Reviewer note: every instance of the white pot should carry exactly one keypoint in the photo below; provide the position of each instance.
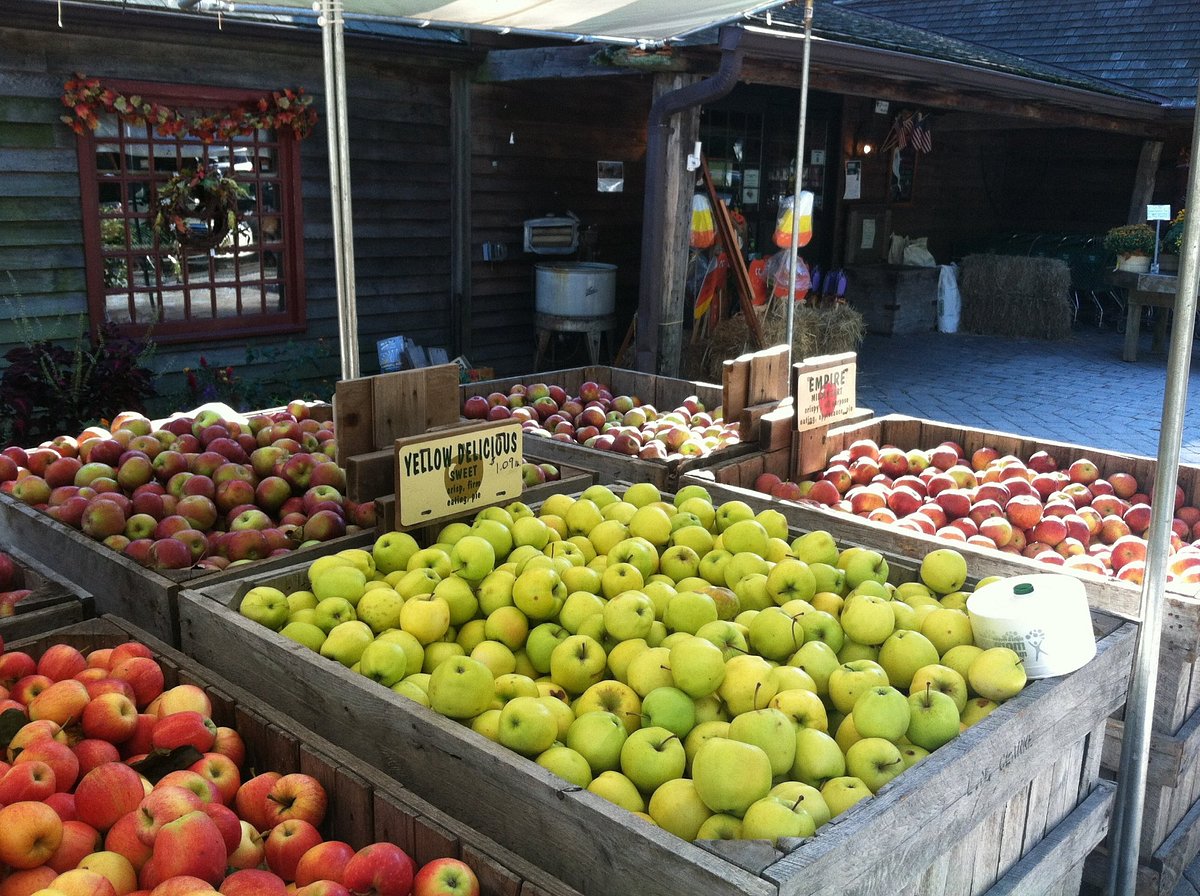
(1135, 264)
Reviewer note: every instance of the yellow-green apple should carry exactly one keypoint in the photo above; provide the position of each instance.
(818, 757)
(802, 706)
(106, 793)
(976, 709)
(629, 614)
(265, 605)
(803, 796)
(598, 737)
(774, 817)
(577, 663)
(903, 653)
(726, 636)
(942, 678)
(791, 579)
(426, 617)
(934, 720)
(651, 756)
(874, 761)
(383, 869)
(769, 730)
(473, 557)
(347, 641)
(747, 684)
(670, 708)
(730, 775)
(461, 688)
(851, 680)
(114, 867)
(997, 674)
(697, 666)
(527, 726)
(688, 611)
(881, 711)
(867, 618)
(676, 807)
(287, 843)
(612, 696)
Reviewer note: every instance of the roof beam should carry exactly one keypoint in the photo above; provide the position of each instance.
(578, 61)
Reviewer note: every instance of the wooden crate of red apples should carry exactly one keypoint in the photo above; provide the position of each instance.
(193, 491)
(1058, 510)
(120, 778)
(596, 418)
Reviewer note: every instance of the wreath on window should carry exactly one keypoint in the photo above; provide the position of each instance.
(198, 207)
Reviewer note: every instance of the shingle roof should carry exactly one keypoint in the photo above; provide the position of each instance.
(1148, 45)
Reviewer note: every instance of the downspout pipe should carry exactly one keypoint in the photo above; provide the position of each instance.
(651, 328)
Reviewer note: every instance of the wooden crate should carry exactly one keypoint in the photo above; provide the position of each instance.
(53, 603)
(365, 806)
(371, 412)
(894, 299)
(664, 393)
(117, 583)
(1016, 802)
(1171, 829)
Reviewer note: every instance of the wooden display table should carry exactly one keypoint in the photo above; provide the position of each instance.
(1156, 290)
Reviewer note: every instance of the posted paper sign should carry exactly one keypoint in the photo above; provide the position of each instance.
(826, 389)
(445, 474)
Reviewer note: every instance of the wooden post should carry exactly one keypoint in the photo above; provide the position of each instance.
(1143, 184)
(460, 212)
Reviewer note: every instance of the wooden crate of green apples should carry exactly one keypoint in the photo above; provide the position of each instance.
(656, 694)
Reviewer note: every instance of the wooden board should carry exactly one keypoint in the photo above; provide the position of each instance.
(370, 413)
(735, 385)
(49, 591)
(117, 584)
(365, 806)
(945, 799)
(770, 376)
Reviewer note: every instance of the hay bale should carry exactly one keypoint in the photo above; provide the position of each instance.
(817, 330)
(1016, 296)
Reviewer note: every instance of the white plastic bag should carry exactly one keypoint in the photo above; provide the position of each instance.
(949, 299)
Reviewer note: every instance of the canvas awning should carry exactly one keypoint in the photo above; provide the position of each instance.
(616, 21)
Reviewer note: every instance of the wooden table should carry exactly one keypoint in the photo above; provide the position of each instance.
(1156, 290)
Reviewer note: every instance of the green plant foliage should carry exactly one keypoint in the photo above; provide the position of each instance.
(1130, 239)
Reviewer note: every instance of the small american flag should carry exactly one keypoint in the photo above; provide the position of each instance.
(920, 136)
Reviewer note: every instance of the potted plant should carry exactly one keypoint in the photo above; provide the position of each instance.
(1132, 244)
(1171, 246)
(198, 207)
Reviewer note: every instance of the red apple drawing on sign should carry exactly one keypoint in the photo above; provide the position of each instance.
(827, 399)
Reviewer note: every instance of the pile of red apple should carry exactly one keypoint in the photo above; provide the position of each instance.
(84, 813)
(196, 491)
(12, 585)
(1064, 515)
(598, 419)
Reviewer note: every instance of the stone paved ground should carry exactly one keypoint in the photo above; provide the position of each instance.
(1077, 390)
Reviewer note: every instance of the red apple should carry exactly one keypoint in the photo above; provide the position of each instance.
(253, 882)
(383, 869)
(446, 877)
(287, 843)
(325, 861)
(106, 793)
(30, 833)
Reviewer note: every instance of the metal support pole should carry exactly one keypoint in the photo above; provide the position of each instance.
(337, 130)
(799, 185)
(1139, 708)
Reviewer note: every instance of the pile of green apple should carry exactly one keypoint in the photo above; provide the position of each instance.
(689, 662)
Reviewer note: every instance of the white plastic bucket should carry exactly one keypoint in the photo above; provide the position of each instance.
(1044, 617)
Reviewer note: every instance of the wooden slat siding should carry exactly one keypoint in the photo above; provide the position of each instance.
(493, 879)
(735, 386)
(751, 420)
(1177, 851)
(354, 417)
(1056, 863)
(749, 855)
(1012, 834)
(775, 428)
(986, 857)
(432, 841)
(371, 475)
(26, 625)
(1037, 812)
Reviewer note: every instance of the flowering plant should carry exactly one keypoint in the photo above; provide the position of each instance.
(210, 382)
(1130, 239)
(1173, 239)
(88, 98)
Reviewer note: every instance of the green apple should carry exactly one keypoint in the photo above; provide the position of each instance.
(658, 632)
(525, 554)
(393, 550)
(412, 691)
(347, 641)
(742, 564)
(960, 658)
(688, 611)
(676, 807)
(339, 581)
(701, 733)
(598, 737)
(846, 733)
(670, 708)
(787, 678)
(416, 582)
(652, 523)
(881, 711)
(697, 665)
(432, 558)
(774, 634)
(818, 659)
(638, 551)
(495, 591)
(566, 554)
(730, 774)
(440, 651)
(774, 522)
(629, 614)
(607, 535)
(778, 549)
(935, 718)
(914, 591)
(580, 578)
(652, 756)
(613, 697)
(305, 615)
(827, 577)
(772, 818)
(487, 723)
(709, 708)
(620, 577)
(720, 826)
(747, 685)
(842, 793)
(412, 647)
(731, 512)
(600, 495)
(803, 796)
(692, 491)
(461, 688)
(622, 655)
(527, 726)
(301, 600)
(818, 757)
(997, 674)
(751, 593)
(460, 596)
(380, 609)
(903, 653)
(977, 708)
(541, 642)
(727, 636)
(650, 669)
(452, 532)
(618, 790)
(851, 680)
(384, 662)
(803, 708)
(641, 494)
(497, 533)
(582, 516)
(530, 530)
(947, 628)
(266, 606)
(874, 761)
(577, 663)
(472, 557)
(425, 617)
(817, 546)
(679, 562)
(304, 633)
(912, 754)
(567, 764)
(712, 566)
(660, 593)
(944, 570)
(698, 538)
(539, 593)
(944, 679)
(821, 626)
(791, 579)
(496, 656)
(852, 650)
(867, 619)
(772, 732)
(862, 565)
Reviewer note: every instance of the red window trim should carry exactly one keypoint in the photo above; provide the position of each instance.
(291, 320)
